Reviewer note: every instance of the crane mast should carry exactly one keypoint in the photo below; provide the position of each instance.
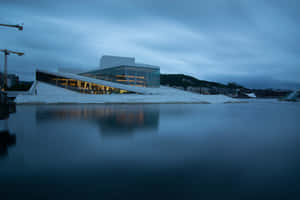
(6, 53)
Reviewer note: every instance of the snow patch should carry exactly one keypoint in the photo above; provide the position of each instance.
(252, 95)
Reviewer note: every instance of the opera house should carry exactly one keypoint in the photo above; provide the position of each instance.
(115, 75)
(123, 78)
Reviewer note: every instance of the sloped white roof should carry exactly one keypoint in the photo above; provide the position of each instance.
(141, 90)
(47, 93)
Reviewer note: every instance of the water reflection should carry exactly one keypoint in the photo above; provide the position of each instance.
(3, 114)
(215, 151)
(113, 120)
(6, 109)
(6, 140)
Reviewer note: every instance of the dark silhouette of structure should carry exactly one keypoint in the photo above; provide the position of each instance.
(6, 140)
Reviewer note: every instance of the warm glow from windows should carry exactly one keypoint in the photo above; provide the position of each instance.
(130, 76)
(84, 86)
(137, 81)
(137, 85)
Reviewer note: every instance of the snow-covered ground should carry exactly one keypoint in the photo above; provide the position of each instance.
(252, 95)
(46, 93)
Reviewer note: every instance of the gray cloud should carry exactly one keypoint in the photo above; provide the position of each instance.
(217, 40)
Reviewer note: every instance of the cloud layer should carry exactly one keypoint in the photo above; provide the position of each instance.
(249, 41)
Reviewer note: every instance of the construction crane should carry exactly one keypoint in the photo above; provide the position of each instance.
(6, 53)
(20, 27)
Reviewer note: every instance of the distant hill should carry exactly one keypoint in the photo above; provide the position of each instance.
(181, 80)
(208, 87)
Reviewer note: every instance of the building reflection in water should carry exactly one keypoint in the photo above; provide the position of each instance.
(113, 120)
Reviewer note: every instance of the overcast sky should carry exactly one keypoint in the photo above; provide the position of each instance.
(252, 42)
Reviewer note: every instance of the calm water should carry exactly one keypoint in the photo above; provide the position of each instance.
(185, 151)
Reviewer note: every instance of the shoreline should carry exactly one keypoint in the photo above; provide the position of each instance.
(108, 103)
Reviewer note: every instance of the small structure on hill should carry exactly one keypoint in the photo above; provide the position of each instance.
(294, 96)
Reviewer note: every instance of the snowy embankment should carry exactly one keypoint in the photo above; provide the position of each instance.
(46, 93)
(251, 95)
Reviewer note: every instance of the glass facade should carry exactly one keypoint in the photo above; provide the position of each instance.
(77, 85)
(129, 75)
